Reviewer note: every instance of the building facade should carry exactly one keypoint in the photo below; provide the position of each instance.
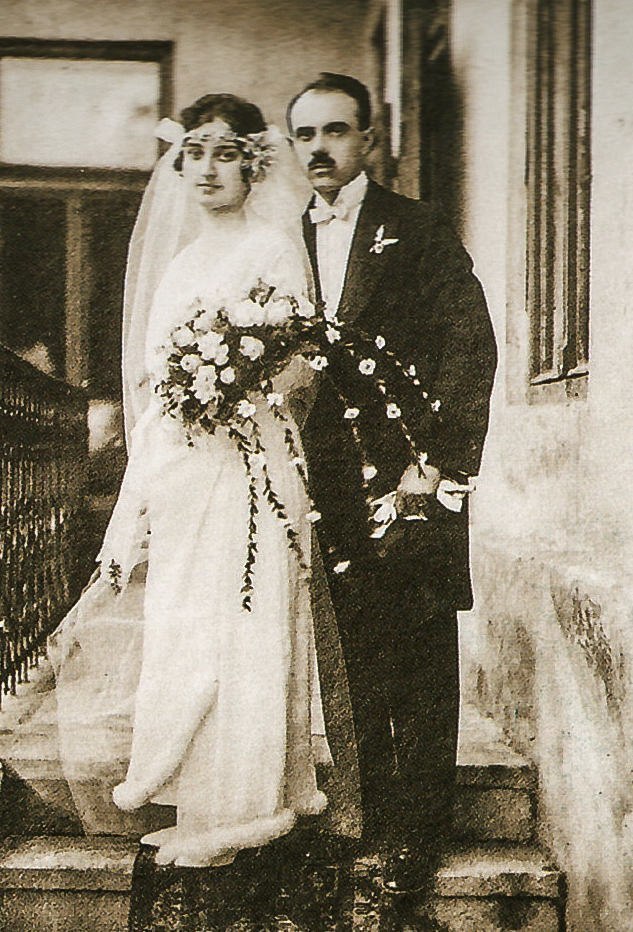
(516, 116)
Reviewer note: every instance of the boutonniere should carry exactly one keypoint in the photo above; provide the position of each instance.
(380, 241)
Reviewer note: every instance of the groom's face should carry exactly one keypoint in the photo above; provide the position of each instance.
(329, 145)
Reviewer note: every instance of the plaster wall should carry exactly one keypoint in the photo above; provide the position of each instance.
(549, 648)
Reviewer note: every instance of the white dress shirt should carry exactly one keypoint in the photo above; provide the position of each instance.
(334, 237)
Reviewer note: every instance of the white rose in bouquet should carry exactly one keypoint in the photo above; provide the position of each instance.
(247, 314)
(278, 311)
(206, 320)
(190, 363)
(183, 336)
(212, 347)
(306, 309)
(204, 384)
(227, 375)
(251, 347)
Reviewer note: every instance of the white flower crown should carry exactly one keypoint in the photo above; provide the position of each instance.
(259, 148)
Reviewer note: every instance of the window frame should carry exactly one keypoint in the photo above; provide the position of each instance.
(159, 52)
(558, 182)
(71, 184)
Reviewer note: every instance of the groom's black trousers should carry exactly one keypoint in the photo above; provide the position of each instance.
(400, 645)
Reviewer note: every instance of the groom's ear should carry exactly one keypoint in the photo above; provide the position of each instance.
(369, 135)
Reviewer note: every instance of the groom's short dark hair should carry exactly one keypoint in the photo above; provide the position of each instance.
(344, 84)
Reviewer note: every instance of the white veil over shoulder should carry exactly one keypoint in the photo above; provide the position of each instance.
(169, 219)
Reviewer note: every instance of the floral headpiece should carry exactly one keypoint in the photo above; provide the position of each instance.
(259, 149)
(259, 152)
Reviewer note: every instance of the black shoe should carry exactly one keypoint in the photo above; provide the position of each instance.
(410, 870)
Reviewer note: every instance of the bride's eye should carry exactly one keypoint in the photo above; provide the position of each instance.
(227, 155)
(194, 152)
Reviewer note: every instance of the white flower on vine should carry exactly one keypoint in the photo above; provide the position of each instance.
(212, 346)
(342, 566)
(183, 336)
(274, 399)
(435, 406)
(385, 512)
(332, 334)
(245, 409)
(369, 472)
(319, 363)
(313, 516)
(227, 375)
(380, 342)
(251, 347)
(351, 414)
(393, 411)
(190, 362)
(367, 366)
(412, 371)
(204, 384)
(247, 313)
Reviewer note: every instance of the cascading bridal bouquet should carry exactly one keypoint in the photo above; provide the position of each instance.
(223, 360)
(217, 365)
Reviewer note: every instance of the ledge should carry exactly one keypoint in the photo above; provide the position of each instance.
(487, 871)
(60, 863)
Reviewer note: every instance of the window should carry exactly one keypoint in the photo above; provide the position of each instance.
(558, 189)
(76, 146)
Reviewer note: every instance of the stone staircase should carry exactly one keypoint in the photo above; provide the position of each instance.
(53, 879)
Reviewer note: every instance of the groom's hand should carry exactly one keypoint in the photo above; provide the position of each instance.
(417, 490)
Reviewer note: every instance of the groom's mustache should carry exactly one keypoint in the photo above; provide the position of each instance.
(321, 160)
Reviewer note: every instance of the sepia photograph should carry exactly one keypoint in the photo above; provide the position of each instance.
(316, 531)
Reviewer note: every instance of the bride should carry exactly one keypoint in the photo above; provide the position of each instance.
(164, 682)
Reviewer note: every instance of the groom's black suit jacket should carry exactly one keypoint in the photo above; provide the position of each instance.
(421, 295)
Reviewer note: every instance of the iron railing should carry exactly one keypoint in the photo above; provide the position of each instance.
(43, 456)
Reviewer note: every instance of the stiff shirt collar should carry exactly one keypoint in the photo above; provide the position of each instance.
(348, 198)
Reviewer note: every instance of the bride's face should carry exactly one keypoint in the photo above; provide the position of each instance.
(212, 167)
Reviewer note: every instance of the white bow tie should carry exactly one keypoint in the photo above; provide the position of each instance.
(323, 213)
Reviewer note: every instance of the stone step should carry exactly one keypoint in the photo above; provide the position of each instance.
(491, 803)
(494, 801)
(495, 798)
(62, 884)
(486, 888)
(50, 884)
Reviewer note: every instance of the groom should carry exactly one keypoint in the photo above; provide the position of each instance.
(396, 269)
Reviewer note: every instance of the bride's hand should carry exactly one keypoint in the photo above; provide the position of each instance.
(298, 374)
(298, 383)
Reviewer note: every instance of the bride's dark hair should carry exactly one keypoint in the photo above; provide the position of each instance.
(242, 116)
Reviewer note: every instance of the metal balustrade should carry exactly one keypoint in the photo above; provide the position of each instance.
(43, 459)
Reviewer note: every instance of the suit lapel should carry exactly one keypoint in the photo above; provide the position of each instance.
(309, 235)
(364, 268)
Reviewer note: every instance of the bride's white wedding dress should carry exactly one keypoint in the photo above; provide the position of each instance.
(225, 704)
